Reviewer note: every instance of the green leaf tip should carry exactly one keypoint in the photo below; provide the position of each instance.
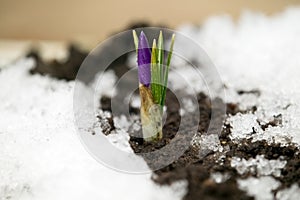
(136, 40)
(160, 48)
(160, 59)
(154, 72)
(166, 72)
(171, 50)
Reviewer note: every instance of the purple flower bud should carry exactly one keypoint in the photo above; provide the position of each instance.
(144, 60)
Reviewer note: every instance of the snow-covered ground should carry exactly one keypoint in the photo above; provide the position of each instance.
(258, 53)
(41, 156)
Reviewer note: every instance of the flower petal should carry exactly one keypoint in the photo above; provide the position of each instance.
(144, 60)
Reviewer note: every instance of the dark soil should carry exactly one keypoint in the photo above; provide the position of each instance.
(197, 170)
(191, 166)
(61, 70)
(255, 92)
(68, 70)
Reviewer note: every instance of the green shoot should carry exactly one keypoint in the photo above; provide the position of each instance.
(136, 40)
(166, 72)
(151, 69)
(154, 74)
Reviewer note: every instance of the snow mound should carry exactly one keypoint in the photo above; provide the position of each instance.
(258, 60)
(41, 156)
(260, 188)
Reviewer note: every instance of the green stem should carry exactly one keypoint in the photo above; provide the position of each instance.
(166, 73)
(160, 64)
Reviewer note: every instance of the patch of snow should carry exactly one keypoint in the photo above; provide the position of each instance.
(276, 135)
(247, 58)
(243, 126)
(107, 86)
(41, 156)
(260, 188)
(219, 177)
(291, 193)
(120, 140)
(207, 143)
(121, 122)
(181, 112)
(258, 165)
(187, 79)
(188, 105)
(135, 101)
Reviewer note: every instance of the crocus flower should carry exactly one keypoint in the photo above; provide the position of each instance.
(144, 60)
(153, 78)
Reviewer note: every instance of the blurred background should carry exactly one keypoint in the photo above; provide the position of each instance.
(93, 20)
(50, 26)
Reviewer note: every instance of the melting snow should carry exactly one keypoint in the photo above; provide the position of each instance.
(260, 188)
(258, 165)
(40, 152)
(291, 193)
(41, 156)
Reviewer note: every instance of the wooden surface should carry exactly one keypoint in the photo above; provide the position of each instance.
(92, 19)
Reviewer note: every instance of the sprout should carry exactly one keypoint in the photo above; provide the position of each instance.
(153, 79)
(144, 59)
